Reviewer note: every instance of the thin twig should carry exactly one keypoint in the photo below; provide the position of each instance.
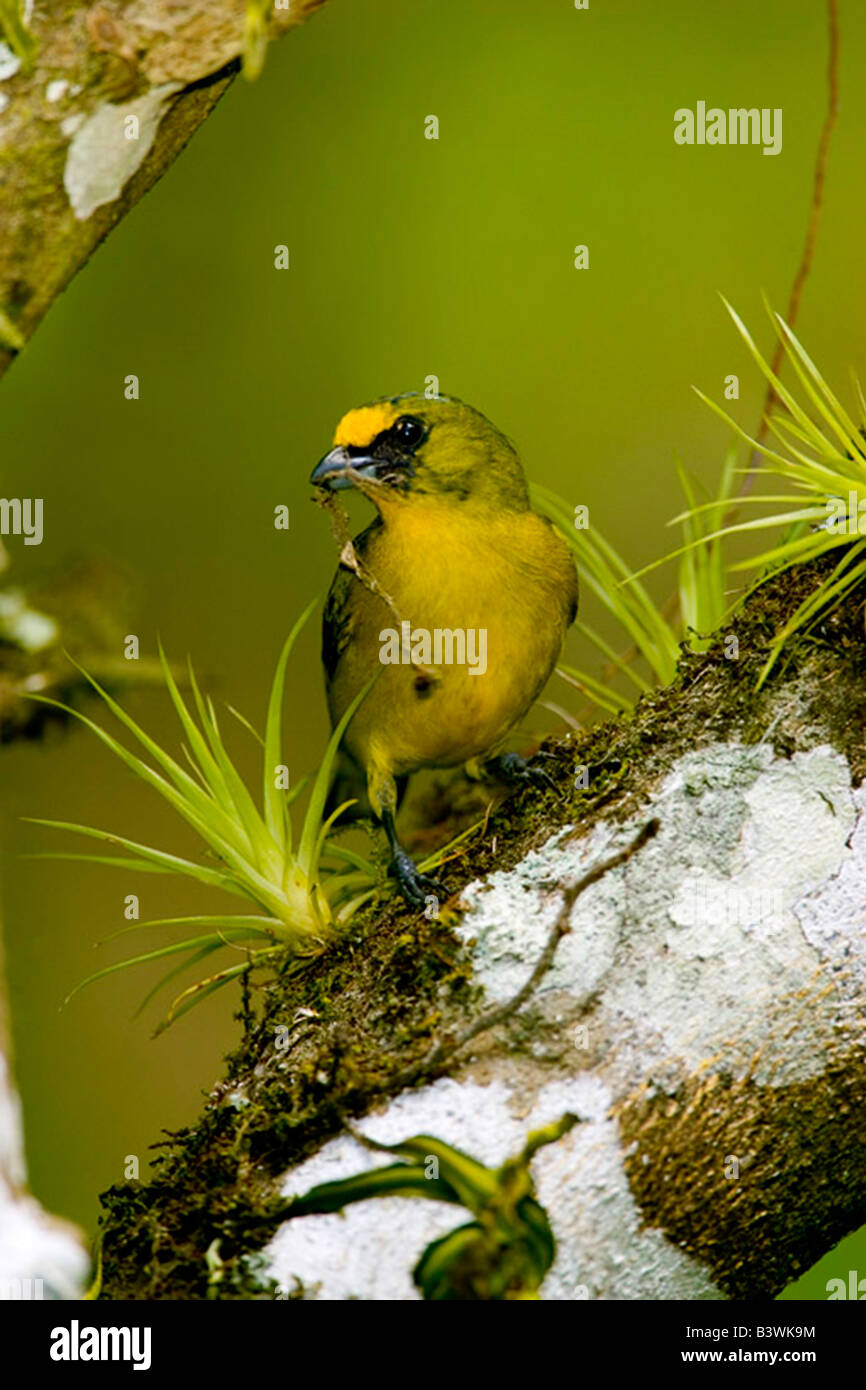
(351, 559)
(446, 1047)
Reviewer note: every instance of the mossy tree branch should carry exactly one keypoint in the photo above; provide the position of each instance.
(72, 164)
(702, 1016)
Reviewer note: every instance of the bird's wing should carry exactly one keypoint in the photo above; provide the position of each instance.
(339, 626)
(337, 621)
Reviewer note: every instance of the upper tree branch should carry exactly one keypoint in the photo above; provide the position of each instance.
(70, 168)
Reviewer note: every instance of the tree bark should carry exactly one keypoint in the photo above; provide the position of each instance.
(702, 1016)
(72, 162)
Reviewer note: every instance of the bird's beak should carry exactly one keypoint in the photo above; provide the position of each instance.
(330, 472)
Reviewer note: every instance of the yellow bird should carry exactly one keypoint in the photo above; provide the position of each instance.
(460, 601)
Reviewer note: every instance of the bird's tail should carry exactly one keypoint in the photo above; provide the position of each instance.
(349, 784)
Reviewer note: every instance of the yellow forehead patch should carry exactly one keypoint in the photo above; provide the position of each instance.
(360, 427)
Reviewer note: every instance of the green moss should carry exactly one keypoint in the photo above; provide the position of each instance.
(370, 1005)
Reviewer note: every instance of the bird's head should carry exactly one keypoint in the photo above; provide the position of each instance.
(410, 446)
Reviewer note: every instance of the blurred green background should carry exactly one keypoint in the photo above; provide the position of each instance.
(409, 257)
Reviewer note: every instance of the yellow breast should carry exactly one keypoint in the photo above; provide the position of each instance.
(499, 592)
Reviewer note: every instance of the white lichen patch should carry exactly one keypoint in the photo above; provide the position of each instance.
(833, 917)
(55, 91)
(709, 910)
(369, 1252)
(109, 146)
(604, 1249)
(512, 914)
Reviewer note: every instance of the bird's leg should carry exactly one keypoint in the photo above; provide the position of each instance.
(415, 886)
(520, 772)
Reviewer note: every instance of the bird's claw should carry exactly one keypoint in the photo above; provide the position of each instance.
(415, 886)
(521, 772)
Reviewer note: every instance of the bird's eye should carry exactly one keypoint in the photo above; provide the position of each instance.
(408, 431)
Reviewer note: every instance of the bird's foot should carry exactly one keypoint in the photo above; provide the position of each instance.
(523, 772)
(417, 888)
